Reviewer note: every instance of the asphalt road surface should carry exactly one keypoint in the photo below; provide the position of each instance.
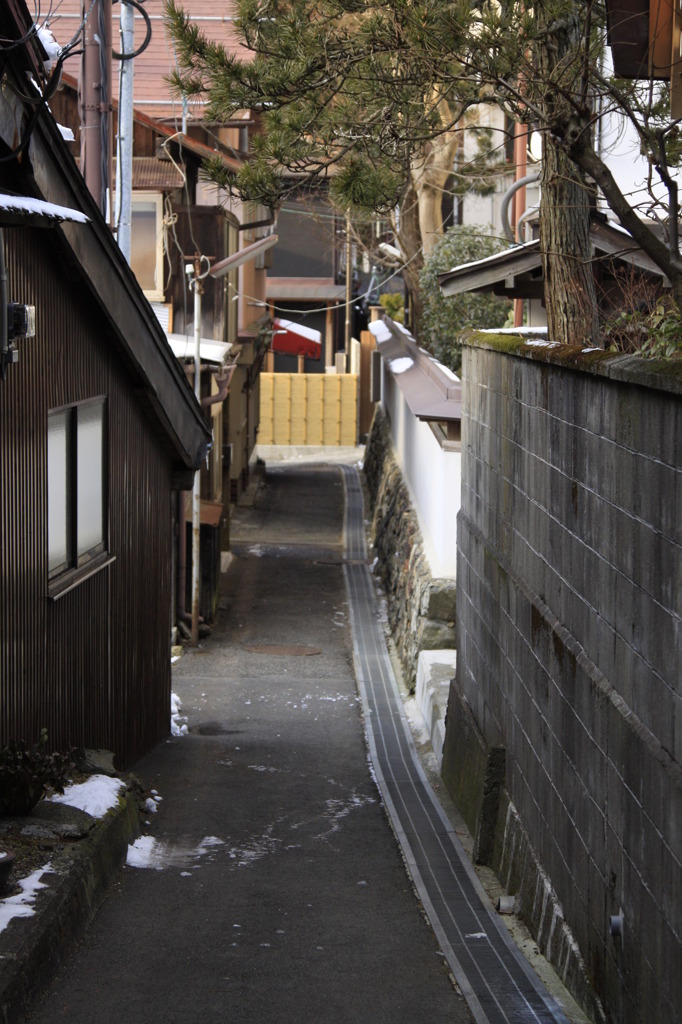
(275, 892)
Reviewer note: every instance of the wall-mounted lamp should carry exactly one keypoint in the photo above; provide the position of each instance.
(16, 321)
(21, 323)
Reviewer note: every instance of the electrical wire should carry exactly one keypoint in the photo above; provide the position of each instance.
(323, 309)
(147, 39)
(6, 46)
(40, 105)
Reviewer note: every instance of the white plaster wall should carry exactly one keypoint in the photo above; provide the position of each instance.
(432, 475)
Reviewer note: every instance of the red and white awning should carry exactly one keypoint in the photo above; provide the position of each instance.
(295, 339)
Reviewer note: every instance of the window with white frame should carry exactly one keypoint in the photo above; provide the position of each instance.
(76, 491)
(146, 242)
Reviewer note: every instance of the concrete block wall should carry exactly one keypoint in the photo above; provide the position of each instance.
(570, 643)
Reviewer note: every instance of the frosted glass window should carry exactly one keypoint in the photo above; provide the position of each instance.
(58, 490)
(89, 489)
(146, 243)
(76, 493)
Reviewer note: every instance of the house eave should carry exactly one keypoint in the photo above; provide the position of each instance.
(158, 378)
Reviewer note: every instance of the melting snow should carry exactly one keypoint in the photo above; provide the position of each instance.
(21, 905)
(401, 365)
(96, 796)
(178, 721)
(50, 45)
(25, 204)
(148, 852)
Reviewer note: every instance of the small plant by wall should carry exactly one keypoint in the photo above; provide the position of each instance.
(26, 773)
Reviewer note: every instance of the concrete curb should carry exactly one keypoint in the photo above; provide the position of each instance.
(33, 948)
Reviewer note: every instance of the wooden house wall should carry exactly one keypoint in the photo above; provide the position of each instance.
(205, 227)
(93, 666)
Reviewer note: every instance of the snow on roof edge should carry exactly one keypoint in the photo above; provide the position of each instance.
(28, 205)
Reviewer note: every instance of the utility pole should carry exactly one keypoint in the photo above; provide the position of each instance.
(124, 155)
(197, 284)
(95, 102)
(349, 293)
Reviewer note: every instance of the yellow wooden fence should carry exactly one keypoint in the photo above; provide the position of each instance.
(308, 408)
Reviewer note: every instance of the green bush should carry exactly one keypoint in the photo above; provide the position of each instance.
(27, 772)
(394, 305)
(443, 318)
(654, 332)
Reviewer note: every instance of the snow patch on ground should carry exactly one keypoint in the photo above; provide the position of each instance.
(178, 721)
(255, 849)
(96, 796)
(154, 854)
(416, 721)
(21, 905)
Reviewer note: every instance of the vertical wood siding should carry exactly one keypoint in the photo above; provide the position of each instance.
(93, 666)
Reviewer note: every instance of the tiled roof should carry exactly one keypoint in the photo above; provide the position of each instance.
(152, 95)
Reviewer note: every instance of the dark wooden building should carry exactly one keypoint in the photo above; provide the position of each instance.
(99, 429)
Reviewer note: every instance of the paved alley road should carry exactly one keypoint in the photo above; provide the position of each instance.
(276, 892)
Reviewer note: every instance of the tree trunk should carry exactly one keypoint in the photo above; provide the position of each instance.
(430, 171)
(570, 294)
(409, 239)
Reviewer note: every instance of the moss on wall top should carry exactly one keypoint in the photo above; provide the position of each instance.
(663, 374)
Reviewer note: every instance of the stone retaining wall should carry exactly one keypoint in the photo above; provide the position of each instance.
(421, 609)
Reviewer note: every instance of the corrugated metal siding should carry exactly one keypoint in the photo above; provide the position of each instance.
(93, 666)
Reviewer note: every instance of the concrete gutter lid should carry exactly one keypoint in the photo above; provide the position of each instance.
(431, 390)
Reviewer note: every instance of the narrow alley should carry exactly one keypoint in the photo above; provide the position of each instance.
(275, 889)
(270, 884)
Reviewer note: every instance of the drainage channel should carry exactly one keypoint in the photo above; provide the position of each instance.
(497, 982)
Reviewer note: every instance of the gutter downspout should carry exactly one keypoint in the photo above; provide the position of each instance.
(222, 379)
(4, 344)
(182, 556)
(506, 199)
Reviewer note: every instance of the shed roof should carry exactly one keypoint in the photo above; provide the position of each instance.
(153, 174)
(305, 289)
(515, 265)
